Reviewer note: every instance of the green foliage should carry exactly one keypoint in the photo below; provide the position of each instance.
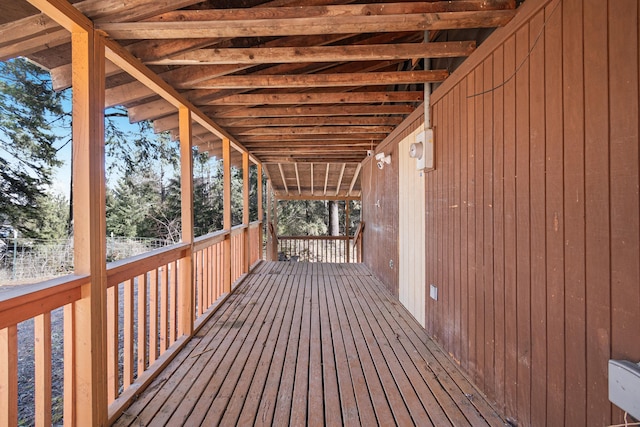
(53, 221)
(302, 218)
(29, 108)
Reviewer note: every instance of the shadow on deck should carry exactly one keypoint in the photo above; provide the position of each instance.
(311, 344)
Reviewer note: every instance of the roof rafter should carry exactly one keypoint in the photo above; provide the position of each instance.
(321, 53)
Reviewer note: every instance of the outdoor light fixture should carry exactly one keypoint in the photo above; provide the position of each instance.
(382, 160)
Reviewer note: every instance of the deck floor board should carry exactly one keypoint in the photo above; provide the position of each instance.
(311, 344)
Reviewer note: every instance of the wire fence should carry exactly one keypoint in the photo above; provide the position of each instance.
(27, 260)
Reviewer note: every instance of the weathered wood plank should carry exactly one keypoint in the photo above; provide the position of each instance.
(284, 55)
(320, 343)
(383, 78)
(306, 26)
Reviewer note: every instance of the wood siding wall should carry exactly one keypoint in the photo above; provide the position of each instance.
(380, 207)
(533, 211)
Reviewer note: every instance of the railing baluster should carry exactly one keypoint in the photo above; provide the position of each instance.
(142, 323)
(164, 306)
(205, 279)
(127, 377)
(153, 316)
(42, 327)
(197, 259)
(112, 343)
(69, 363)
(173, 312)
(9, 376)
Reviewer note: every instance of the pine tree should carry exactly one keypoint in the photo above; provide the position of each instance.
(29, 110)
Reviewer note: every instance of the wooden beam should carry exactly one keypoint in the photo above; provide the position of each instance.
(355, 178)
(319, 98)
(312, 130)
(333, 111)
(185, 265)
(136, 91)
(312, 158)
(63, 13)
(326, 179)
(245, 211)
(322, 10)
(260, 208)
(89, 326)
(344, 165)
(284, 180)
(316, 137)
(318, 197)
(284, 55)
(123, 59)
(311, 178)
(295, 165)
(52, 28)
(171, 122)
(226, 214)
(306, 26)
(321, 80)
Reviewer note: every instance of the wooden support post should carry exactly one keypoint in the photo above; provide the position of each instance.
(269, 223)
(346, 230)
(260, 210)
(89, 370)
(245, 210)
(226, 217)
(185, 265)
(9, 376)
(275, 227)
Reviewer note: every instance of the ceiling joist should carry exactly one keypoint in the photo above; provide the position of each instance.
(321, 54)
(306, 26)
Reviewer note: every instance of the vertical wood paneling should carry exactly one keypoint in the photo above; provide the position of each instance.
(510, 303)
(537, 215)
(456, 207)
(498, 225)
(437, 330)
(448, 216)
(487, 259)
(555, 221)
(533, 211)
(597, 251)
(464, 230)
(523, 236)
(479, 226)
(471, 223)
(572, 65)
(623, 134)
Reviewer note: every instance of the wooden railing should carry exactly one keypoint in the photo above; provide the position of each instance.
(317, 249)
(145, 311)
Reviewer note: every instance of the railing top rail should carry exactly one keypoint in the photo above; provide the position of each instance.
(27, 301)
(210, 239)
(119, 271)
(255, 224)
(313, 237)
(238, 228)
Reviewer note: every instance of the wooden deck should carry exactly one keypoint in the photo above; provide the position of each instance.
(311, 344)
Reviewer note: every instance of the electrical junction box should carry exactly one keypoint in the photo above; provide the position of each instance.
(624, 386)
(422, 150)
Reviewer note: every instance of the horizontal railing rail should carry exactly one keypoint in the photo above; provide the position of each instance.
(144, 305)
(316, 249)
